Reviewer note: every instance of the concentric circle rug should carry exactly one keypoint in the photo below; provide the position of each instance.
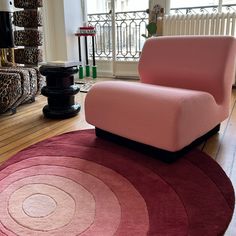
(77, 184)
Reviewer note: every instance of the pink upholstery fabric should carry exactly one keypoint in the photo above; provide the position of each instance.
(194, 62)
(185, 92)
(163, 117)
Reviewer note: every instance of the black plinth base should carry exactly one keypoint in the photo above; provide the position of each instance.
(60, 90)
(65, 113)
(163, 155)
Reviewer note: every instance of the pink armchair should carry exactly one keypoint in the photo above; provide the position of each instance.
(183, 96)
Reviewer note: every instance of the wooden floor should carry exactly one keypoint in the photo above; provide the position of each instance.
(28, 126)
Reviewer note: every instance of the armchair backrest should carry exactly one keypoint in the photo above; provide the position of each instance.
(205, 63)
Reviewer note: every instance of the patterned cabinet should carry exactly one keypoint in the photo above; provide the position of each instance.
(19, 85)
(30, 38)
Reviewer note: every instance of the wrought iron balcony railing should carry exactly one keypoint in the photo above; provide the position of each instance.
(129, 28)
(203, 9)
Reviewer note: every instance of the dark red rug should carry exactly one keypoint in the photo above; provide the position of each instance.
(77, 184)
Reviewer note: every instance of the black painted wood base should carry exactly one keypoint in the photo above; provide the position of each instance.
(60, 90)
(65, 113)
(165, 156)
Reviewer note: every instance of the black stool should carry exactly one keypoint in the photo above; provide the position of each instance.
(60, 90)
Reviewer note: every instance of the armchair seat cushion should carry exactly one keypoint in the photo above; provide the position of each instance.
(159, 116)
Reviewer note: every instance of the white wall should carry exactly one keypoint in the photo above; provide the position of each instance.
(61, 20)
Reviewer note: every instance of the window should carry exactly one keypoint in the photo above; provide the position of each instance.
(195, 3)
(229, 2)
(202, 6)
(229, 5)
(122, 5)
(108, 6)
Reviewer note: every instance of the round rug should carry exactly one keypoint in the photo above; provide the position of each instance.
(78, 184)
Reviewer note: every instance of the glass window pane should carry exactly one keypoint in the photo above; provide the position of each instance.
(194, 7)
(229, 2)
(193, 3)
(104, 6)
(98, 6)
(229, 6)
(131, 5)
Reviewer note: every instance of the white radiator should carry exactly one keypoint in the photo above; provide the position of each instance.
(200, 24)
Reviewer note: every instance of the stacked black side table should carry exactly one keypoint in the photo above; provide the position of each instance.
(60, 91)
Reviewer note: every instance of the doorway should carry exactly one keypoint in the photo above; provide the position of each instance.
(119, 25)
